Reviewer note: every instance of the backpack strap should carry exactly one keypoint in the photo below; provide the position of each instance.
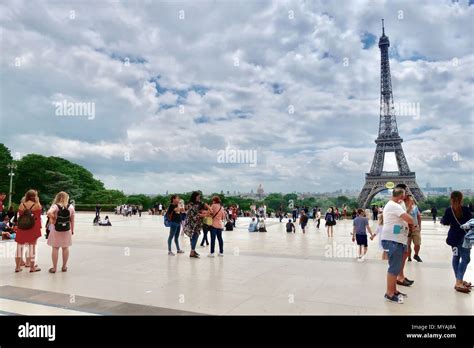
(24, 205)
(217, 212)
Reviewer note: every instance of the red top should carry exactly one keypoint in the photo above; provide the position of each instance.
(29, 236)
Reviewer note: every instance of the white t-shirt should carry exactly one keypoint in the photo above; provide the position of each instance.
(394, 228)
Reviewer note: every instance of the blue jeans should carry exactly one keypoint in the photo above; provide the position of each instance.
(174, 232)
(217, 232)
(205, 229)
(194, 240)
(461, 258)
(395, 253)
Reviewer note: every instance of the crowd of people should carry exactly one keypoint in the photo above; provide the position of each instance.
(193, 217)
(124, 209)
(399, 226)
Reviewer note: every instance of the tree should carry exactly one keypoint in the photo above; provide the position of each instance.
(140, 199)
(115, 197)
(49, 175)
(275, 201)
(5, 159)
(60, 182)
(341, 200)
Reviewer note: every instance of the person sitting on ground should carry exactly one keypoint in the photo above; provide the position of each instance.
(5, 224)
(290, 226)
(7, 235)
(261, 225)
(253, 225)
(7, 230)
(106, 222)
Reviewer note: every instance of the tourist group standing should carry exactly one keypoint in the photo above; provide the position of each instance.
(59, 226)
(198, 216)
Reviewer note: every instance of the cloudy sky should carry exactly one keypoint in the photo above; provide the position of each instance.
(175, 83)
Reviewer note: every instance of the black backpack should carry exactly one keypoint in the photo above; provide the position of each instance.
(63, 221)
(27, 220)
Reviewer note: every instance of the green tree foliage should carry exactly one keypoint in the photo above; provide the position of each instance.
(104, 196)
(5, 159)
(50, 175)
(141, 199)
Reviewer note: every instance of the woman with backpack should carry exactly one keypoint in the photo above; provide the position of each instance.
(28, 230)
(61, 229)
(330, 221)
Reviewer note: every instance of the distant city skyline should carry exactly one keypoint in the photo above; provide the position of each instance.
(177, 96)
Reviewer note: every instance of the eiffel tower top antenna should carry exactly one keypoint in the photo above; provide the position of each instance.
(383, 29)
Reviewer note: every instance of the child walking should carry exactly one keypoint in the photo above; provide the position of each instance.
(359, 233)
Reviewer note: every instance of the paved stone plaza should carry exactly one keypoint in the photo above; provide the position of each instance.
(125, 269)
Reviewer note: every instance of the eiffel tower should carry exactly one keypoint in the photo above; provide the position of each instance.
(388, 141)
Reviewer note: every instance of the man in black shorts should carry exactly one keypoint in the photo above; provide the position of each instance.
(359, 233)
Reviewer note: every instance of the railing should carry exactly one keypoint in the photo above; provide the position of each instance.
(390, 174)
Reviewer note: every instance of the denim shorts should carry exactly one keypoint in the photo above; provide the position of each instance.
(395, 253)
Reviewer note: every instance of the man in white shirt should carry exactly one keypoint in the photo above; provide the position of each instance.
(394, 241)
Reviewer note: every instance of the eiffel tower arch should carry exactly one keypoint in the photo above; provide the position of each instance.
(388, 140)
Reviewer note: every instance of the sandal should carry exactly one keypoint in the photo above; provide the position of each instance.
(405, 282)
(462, 289)
(398, 293)
(36, 269)
(18, 270)
(52, 270)
(28, 266)
(64, 269)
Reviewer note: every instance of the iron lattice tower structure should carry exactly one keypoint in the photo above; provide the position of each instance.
(388, 140)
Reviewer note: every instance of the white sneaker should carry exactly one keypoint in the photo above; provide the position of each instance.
(359, 259)
(221, 255)
(211, 255)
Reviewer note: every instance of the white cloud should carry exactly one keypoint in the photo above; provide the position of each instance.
(183, 97)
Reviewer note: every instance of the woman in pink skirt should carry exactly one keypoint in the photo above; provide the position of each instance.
(61, 227)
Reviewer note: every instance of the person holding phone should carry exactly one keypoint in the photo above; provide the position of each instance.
(174, 215)
(193, 223)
